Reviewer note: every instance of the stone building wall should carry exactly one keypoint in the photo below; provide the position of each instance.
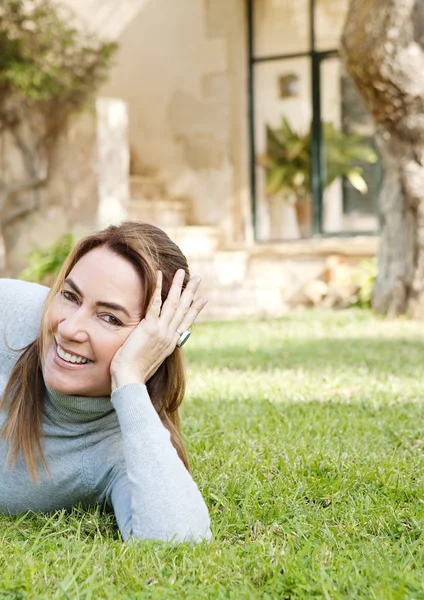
(86, 184)
(182, 69)
(68, 200)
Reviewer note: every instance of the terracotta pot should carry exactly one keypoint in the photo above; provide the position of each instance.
(304, 217)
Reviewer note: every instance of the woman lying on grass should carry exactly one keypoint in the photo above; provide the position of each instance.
(89, 409)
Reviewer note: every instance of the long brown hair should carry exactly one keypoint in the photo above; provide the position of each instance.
(148, 249)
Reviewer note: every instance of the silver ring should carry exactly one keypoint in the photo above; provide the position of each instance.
(184, 335)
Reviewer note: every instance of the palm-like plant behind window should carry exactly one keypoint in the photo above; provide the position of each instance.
(288, 160)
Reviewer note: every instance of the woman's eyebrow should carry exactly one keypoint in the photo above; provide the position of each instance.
(111, 305)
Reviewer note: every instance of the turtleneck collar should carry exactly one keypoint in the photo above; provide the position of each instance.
(63, 408)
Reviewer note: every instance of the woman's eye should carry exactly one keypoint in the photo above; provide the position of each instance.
(69, 296)
(112, 320)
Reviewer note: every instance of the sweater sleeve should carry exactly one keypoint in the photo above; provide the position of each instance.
(20, 315)
(158, 499)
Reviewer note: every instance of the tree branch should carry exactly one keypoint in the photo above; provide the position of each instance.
(20, 212)
(31, 184)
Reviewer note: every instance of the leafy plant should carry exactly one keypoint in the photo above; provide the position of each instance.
(44, 265)
(45, 58)
(364, 279)
(49, 68)
(288, 160)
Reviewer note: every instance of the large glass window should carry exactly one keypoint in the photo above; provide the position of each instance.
(286, 109)
(347, 127)
(306, 119)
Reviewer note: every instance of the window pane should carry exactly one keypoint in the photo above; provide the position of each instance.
(282, 89)
(280, 27)
(330, 16)
(345, 208)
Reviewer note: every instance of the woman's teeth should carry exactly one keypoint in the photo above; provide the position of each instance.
(71, 357)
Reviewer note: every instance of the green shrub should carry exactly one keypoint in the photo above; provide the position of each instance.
(45, 56)
(44, 265)
(288, 159)
(364, 279)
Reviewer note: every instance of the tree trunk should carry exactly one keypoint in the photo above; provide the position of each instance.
(26, 134)
(381, 47)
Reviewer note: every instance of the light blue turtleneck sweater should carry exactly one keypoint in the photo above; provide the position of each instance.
(112, 450)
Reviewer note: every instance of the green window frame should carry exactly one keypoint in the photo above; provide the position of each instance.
(317, 171)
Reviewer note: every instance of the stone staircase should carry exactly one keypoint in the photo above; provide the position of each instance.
(229, 276)
(150, 202)
(261, 280)
(225, 272)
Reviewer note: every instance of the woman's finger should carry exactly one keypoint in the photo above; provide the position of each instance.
(185, 302)
(155, 305)
(197, 306)
(172, 301)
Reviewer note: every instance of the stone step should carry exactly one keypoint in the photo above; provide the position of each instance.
(221, 267)
(198, 242)
(162, 212)
(228, 302)
(143, 187)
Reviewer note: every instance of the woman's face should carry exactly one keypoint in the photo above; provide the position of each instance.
(90, 319)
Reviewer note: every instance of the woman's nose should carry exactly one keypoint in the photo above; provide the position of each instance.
(73, 327)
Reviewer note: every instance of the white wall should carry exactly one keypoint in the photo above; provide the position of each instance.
(187, 96)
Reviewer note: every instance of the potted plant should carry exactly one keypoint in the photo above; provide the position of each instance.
(288, 165)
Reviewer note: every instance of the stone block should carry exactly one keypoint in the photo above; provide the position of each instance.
(198, 243)
(113, 160)
(230, 267)
(146, 188)
(163, 213)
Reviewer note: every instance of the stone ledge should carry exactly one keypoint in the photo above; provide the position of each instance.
(345, 246)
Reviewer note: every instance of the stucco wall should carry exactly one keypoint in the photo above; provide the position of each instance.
(182, 70)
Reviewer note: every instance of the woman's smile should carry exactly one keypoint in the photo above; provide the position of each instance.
(71, 359)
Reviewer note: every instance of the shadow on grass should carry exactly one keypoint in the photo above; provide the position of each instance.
(385, 356)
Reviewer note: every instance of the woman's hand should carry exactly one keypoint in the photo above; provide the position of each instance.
(156, 337)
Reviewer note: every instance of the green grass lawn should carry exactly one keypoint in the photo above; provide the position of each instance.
(307, 440)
